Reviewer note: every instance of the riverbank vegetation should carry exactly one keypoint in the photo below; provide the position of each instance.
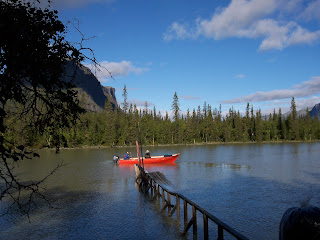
(120, 127)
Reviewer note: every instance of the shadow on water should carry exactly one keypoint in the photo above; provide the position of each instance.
(94, 199)
(87, 215)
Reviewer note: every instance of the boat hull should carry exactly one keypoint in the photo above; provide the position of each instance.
(156, 159)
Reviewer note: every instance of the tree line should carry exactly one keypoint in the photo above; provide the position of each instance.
(120, 126)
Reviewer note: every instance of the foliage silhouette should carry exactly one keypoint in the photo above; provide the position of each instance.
(34, 98)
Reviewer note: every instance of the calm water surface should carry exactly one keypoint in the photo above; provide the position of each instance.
(248, 186)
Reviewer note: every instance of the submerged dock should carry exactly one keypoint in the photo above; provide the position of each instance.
(158, 187)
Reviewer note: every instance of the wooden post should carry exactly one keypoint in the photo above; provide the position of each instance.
(185, 210)
(163, 198)
(158, 194)
(151, 186)
(205, 225)
(169, 202)
(178, 207)
(137, 170)
(194, 216)
(220, 232)
(187, 226)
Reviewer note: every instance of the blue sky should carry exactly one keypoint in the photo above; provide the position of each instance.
(219, 52)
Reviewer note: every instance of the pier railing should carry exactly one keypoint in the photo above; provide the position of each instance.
(163, 193)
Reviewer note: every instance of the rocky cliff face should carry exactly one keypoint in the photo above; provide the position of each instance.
(315, 111)
(92, 94)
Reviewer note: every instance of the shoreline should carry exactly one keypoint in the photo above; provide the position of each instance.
(184, 144)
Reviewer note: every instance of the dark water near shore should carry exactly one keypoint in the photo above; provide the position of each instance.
(248, 186)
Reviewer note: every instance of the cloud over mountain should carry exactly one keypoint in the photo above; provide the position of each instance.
(116, 69)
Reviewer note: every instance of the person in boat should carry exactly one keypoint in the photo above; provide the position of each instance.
(127, 156)
(147, 154)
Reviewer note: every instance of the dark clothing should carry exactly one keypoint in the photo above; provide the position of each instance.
(147, 155)
(126, 156)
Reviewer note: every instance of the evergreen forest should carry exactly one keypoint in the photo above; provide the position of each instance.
(121, 126)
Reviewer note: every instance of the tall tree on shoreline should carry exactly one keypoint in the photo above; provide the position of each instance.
(125, 99)
(176, 112)
(175, 107)
(292, 121)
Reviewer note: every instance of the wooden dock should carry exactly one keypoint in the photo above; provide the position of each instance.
(159, 188)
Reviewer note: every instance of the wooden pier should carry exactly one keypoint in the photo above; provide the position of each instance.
(155, 184)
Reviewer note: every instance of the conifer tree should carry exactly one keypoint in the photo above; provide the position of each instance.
(292, 121)
(258, 126)
(175, 107)
(125, 99)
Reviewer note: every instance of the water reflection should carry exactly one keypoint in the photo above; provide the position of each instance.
(227, 165)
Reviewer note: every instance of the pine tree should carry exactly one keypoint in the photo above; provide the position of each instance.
(188, 130)
(125, 99)
(292, 121)
(252, 125)
(259, 133)
(175, 107)
(176, 127)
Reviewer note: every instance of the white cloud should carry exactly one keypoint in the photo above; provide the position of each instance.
(239, 76)
(311, 12)
(117, 69)
(140, 103)
(301, 104)
(292, 6)
(305, 89)
(238, 16)
(308, 102)
(178, 31)
(190, 97)
(300, 36)
(247, 19)
(274, 35)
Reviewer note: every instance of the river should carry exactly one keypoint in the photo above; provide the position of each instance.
(248, 186)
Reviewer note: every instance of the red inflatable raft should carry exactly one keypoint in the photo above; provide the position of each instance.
(155, 159)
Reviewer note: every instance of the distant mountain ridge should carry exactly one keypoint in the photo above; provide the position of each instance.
(91, 93)
(315, 111)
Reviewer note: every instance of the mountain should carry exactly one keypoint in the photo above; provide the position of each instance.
(315, 111)
(302, 112)
(91, 93)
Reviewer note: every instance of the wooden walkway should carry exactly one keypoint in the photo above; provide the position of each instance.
(158, 186)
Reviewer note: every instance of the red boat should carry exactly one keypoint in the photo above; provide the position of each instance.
(155, 159)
